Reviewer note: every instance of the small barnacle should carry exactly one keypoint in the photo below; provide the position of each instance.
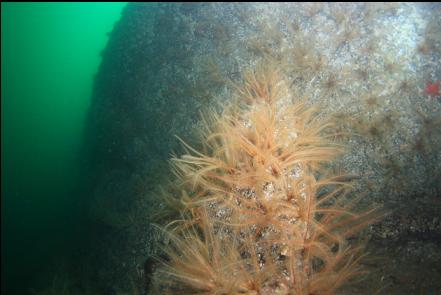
(374, 131)
(405, 86)
(423, 48)
(293, 135)
(285, 250)
(391, 66)
(247, 124)
(330, 82)
(331, 85)
(363, 74)
(345, 35)
(221, 213)
(268, 190)
(371, 101)
(247, 193)
(296, 172)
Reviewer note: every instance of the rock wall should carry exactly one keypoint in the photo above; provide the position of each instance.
(371, 66)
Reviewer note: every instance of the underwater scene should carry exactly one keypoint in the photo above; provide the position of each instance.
(221, 148)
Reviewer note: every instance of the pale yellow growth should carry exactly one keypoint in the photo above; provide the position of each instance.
(265, 215)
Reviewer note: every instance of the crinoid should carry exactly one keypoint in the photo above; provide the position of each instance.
(267, 215)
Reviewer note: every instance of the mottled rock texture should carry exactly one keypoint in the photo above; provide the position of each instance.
(367, 65)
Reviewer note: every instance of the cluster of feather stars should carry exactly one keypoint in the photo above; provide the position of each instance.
(261, 210)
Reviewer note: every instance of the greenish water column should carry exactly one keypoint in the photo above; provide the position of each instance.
(49, 55)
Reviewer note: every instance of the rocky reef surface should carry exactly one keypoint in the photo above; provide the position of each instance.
(374, 68)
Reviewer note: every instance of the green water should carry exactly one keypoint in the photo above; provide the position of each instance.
(49, 55)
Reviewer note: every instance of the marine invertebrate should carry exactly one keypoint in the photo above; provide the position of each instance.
(348, 31)
(373, 128)
(372, 101)
(391, 66)
(267, 216)
(303, 60)
(428, 133)
(432, 89)
(332, 83)
(423, 48)
(405, 87)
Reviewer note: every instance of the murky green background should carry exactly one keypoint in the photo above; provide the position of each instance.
(49, 55)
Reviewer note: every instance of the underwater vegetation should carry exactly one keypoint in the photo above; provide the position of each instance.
(261, 210)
